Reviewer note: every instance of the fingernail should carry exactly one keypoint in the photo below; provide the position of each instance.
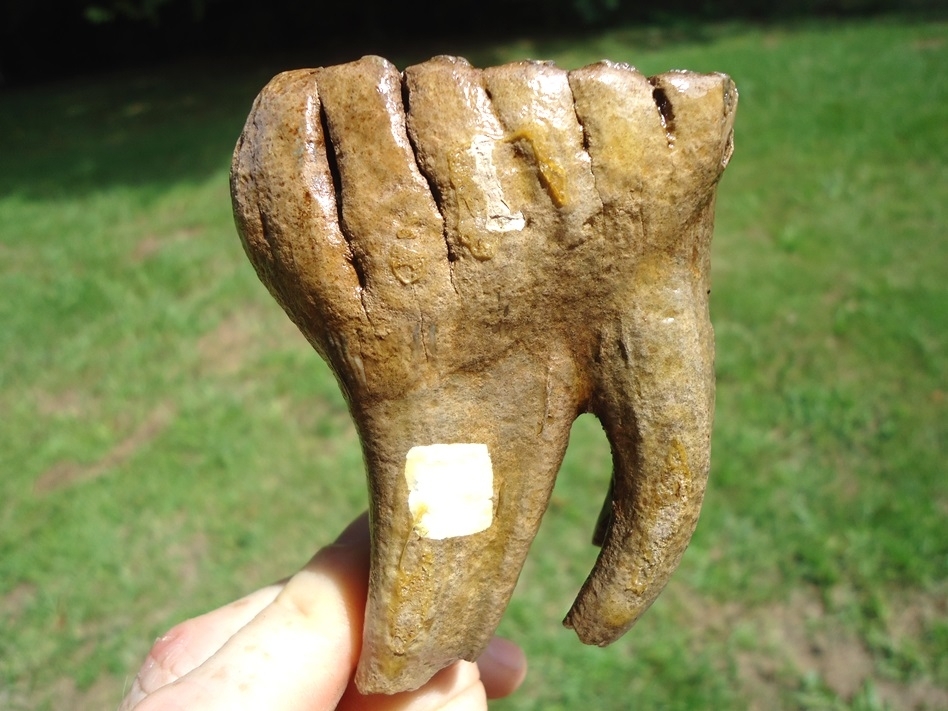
(135, 695)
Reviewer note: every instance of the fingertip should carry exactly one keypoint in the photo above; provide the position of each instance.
(356, 534)
(271, 639)
(454, 688)
(503, 667)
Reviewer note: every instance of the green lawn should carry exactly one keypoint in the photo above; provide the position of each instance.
(168, 441)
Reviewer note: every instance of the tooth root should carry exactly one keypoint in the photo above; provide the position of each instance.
(433, 601)
(655, 400)
(654, 391)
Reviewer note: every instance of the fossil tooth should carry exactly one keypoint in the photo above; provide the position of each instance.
(481, 256)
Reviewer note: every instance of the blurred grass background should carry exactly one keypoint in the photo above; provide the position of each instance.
(169, 441)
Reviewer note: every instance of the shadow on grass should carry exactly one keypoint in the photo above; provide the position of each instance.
(163, 125)
(159, 126)
(148, 128)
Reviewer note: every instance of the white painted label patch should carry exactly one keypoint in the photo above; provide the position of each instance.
(450, 489)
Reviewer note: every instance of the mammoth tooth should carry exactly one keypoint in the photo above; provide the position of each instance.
(481, 256)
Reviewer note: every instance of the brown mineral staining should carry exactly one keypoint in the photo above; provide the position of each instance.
(520, 246)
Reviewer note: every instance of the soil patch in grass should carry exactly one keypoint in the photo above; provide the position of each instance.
(67, 473)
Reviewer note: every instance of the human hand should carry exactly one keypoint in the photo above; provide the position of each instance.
(293, 646)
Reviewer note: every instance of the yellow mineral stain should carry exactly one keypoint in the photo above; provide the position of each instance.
(417, 515)
(677, 462)
(411, 595)
(552, 175)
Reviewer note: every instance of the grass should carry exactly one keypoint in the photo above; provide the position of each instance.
(168, 440)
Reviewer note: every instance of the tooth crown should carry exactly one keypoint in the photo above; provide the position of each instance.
(481, 256)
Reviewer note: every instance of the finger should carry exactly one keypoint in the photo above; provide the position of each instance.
(498, 672)
(189, 644)
(298, 652)
(503, 667)
(456, 688)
